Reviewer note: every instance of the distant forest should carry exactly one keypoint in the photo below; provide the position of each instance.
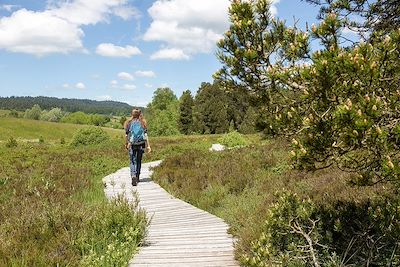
(69, 105)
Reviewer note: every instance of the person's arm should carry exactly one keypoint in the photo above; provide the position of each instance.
(147, 143)
(126, 137)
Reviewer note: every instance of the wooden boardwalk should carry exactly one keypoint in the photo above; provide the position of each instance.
(179, 234)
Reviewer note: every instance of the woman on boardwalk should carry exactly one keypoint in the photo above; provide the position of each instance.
(136, 140)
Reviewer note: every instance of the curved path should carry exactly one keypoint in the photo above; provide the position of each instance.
(179, 234)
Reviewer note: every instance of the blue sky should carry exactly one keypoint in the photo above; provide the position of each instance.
(115, 49)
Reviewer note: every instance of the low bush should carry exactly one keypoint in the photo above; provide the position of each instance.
(89, 136)
(233, 139)
(114, 234)
(11, 142)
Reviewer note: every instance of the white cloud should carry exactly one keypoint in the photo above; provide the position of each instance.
(95, 76)
(148, 85)
(128, 87)
(145, 73)
(66, 85)
(127, 12)
(58, 28)
(39, 33)
(111, 50)
(274, 10)
(104, 98)
(80, 85)
(190, 26)
(86, 12)
(170, 53)
(9, 8)
(349, 31)
(125, 76)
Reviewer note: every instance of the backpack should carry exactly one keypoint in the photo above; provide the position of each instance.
(136, 133)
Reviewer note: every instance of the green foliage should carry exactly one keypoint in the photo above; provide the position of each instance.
(233, 139)
(77, 118)
(163, 113)
(164, 122)
(248, 125)
(340, 107)
(13, 113)
(41, 139)
(186, 104)
(83, 118)
(382, 15)
(162, 98)
(291, 235)
(114, 234)
(99, 120)
(353, 125)
(53, 115)
(11, 142)
(249, 48)
(211, 110)
(122, 120)
(33, 113)
(89, 136)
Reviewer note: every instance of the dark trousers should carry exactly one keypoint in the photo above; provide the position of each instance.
(135, 156)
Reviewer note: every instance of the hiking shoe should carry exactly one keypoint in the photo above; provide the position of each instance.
(137, 179)
(134, 181)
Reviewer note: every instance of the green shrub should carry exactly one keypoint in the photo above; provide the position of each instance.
(33, 113)
(11, 142)
(90, 136)
(53, 115)
(114, 234)
(233, 139)
(13, 114)
(291, 236)
(41, 139)
(62, 141)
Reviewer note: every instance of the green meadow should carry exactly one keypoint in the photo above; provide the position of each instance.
(25, 129)
(54, 211)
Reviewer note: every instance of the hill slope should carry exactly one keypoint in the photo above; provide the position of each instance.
(50, 131)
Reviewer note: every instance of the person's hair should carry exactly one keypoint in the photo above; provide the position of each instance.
(136, 114)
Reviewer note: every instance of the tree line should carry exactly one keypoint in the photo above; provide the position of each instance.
(68, 105)
(211, 110)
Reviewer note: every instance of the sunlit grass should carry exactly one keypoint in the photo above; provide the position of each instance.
(32, 130)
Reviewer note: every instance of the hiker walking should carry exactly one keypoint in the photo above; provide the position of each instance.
(136, 140)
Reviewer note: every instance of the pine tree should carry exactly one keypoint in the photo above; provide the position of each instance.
(186, 103)
(211, 110)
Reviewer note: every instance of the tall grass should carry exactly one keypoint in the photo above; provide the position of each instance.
(54, 212)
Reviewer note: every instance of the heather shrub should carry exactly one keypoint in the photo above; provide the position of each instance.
(89, 136)
(233, 139)
(11, 142)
